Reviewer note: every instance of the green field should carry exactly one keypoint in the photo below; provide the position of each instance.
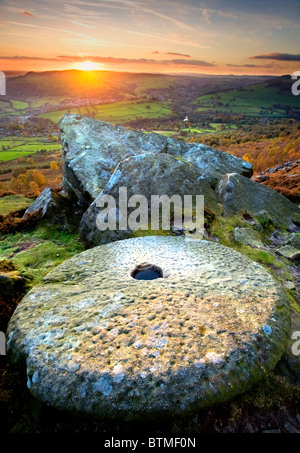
(15, 147)
(16, 107)
(118, 112)
(252, 100)
(166, 133)
(196, 130)
(12, 107)
(144, 83)
(13, 203)
(19, 105)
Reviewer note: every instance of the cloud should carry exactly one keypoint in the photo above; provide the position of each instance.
(243, 65)
(188, 62)
(26, 13)
(278, 56)
(176, 54)
(251, 65)
(112, 60)
(83, 25)
(206, 16)
(23, 57)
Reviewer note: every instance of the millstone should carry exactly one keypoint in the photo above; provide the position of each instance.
(99, 341)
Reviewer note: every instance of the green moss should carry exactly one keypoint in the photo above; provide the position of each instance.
(13, 203)
(142, 233)
(260, 256)
(7, 266)
(36, 252)
(182, 160)
(263, 220)
(274, 391)
(293, 300)
(223, 228)
(296, 219)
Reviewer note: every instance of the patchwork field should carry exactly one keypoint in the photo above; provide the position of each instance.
(14, 147)
(118, 112)
(251, 100)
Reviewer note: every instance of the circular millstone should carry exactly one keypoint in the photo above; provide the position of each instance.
(99, 341)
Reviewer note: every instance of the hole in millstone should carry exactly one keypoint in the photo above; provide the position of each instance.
(146, 271)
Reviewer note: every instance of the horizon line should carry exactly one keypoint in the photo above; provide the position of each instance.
(178, 74)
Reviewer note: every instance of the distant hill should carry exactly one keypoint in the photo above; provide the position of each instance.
(204, 98)
(120, 85)
(271, 97)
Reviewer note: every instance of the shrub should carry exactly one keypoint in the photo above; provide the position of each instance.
(34, 188)
(36, 176)
(12, 223)
(17, 184)
(18, 171)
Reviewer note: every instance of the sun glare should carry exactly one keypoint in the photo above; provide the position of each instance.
(87, 66)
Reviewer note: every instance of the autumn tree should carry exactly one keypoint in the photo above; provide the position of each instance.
(36, 176)
(18, 171)
(34, 188)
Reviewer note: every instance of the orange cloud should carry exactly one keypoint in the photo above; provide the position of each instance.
(26, 13)
(177, 54)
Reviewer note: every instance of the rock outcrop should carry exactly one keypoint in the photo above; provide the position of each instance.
(242, 195)
(52, 206)
(94, 339)
(147, 175)
(99, 158)
(247, 236)
(93, 149)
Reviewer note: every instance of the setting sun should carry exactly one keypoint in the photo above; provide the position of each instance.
(87, 66)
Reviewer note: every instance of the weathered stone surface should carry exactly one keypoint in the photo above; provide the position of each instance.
(289, 285)
(52, 204)
(290, 252)
(239, 195)
(213, 164)
(147, 175)
(93, 149)
(247, 236)
(294, 240)
(291, 356)
(96, 340)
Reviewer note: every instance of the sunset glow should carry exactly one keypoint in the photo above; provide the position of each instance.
(160, 36)
(87, 66)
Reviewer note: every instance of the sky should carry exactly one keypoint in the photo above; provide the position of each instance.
(160, 36)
